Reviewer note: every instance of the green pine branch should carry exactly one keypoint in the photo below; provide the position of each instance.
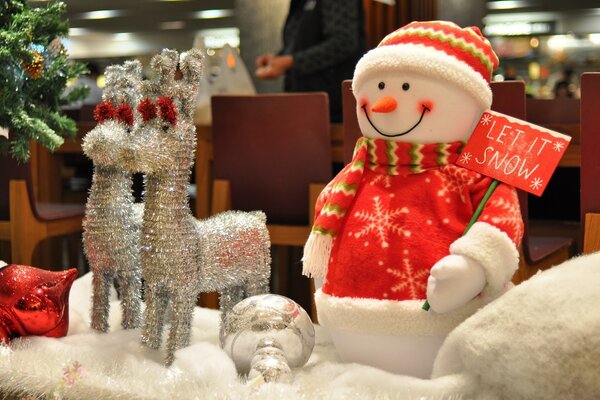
(30, 106)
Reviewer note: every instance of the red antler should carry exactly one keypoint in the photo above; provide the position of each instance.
(147, 109)
(124, 113)
(104, 111)
(167, 109)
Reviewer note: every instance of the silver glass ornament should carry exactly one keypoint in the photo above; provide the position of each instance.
(180, 255)
(268, 335)
(112, 223)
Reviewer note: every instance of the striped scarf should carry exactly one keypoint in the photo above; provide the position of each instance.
(380, 156)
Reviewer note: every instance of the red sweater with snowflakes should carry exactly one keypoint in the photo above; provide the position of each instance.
(403, 205)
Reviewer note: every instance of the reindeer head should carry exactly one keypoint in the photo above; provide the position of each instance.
(114, 115)
(164, 140)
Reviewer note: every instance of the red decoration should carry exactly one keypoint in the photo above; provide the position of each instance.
(104, 111)
(167, 109)
(34, 301)
(124, 113)
(514, 151)
(147, 109)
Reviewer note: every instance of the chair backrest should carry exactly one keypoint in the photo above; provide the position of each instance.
(350, 121)
(271, 147)
(10, 169)
(590, 143)
(509, 99)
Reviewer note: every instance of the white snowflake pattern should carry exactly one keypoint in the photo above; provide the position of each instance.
(465, 157)
(414, 282)
(536, 183)
(454, 179)
(558, 146)
(382, 222)
(385, 180)
(487, 118)
(507, 214)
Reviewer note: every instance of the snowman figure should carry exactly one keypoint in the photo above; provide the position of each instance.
(388, 232)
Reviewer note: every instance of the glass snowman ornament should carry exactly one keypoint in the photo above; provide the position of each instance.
(267, 335)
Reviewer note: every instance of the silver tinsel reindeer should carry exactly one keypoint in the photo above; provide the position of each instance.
(112, 221)
(182, 256)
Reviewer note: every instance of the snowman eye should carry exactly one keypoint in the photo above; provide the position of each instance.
(405, 86)
(381, 85)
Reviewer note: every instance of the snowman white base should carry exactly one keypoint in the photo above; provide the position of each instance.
(399, 337)
(403, 355)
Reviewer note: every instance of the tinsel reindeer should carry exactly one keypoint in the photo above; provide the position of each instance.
(182, 256)
(112, 221)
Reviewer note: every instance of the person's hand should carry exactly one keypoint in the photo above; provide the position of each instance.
(454, 281)
(275, 66)
(263, 60)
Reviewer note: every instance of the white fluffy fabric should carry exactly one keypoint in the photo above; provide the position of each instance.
(540, 340)
(116, 366)
(494, 251)
(423, 60)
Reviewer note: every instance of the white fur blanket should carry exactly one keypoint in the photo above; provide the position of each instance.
(540, 340)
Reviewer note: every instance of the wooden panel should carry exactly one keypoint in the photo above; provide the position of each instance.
(4, 230)
(381, 19)
(591, 237)
(288, 235)
(590, 143)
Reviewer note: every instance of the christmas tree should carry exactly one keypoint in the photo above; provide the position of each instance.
(34, 70)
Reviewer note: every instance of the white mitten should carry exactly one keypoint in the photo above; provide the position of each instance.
(454, 281)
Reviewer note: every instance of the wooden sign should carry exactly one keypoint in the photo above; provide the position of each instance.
(514, 151)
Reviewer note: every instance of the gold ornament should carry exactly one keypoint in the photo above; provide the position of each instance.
(35, 67)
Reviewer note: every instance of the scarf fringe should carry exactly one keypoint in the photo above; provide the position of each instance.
(316, 255)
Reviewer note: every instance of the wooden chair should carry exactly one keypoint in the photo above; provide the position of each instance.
(350, 122)
(272, 152)
(25, 222)
(537, 252)
(590, 166)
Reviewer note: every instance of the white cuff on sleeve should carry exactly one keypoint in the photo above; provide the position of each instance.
(494, 250)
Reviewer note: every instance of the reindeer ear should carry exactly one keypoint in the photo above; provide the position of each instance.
(104, 111)
(133, 68)
(167, 109)
(147, 109)
(191, 64)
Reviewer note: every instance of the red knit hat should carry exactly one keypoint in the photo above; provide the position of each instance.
(438, 48)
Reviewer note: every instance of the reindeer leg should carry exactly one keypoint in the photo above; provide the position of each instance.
(157, 302)
(181, 320)
(257, 286)
(260, 284)
(131, 286)
(101, 284)
(229, 297)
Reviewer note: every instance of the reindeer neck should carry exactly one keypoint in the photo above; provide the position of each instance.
(110, 185)
(167, 194)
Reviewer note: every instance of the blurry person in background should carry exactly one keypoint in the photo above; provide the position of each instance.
(563, 88)
(322, 41)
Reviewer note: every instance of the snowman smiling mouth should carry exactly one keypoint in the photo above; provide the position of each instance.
(425, 109)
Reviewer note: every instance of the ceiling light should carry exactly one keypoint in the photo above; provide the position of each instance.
(101, 14)
(168, 25)
(211, 14)
(508, 4)
(78, 31)
(122, 36)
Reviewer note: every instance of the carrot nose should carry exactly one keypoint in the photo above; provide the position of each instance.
(385, 104)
